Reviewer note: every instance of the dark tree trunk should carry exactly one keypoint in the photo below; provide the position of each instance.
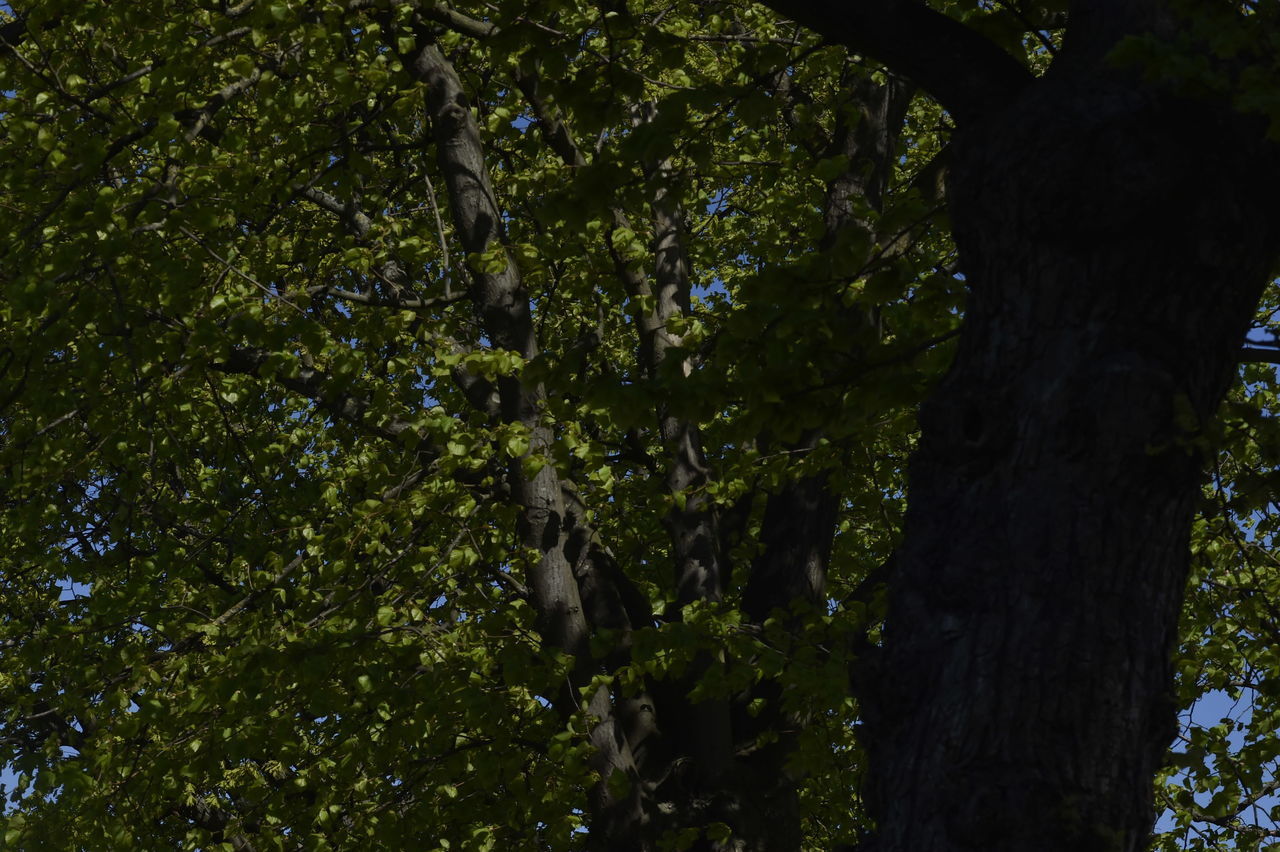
(1115, 242)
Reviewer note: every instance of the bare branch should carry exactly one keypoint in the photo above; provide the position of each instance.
(397, 303)
(1255, 355)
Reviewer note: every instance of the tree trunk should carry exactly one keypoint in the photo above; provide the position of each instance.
(1116, 242)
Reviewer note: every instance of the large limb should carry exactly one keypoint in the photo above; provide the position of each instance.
(696, 555)
(1095, 26)
(705, 744)
(544, 526)
(700, 569)
(968, 74)
(503, 304)
(801, 515)
(610, 600)
(799, 518)
(659, 301)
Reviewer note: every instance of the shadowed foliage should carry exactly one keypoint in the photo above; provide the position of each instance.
(638, 426)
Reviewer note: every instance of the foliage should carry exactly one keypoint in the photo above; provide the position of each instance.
(263, 442)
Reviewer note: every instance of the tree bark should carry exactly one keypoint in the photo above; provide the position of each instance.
(1115, 241)
(544, 526)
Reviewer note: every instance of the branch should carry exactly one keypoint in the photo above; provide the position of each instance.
(1094, 27)
(355, 219)
(314, 385)
(11, 34)
(453, 19)
(797, 532)
(800, 517)
(393, 302)
(197, 121)
(215, 821)
(544, 525)
(968, 74)
(1254, 355)
(555, 131)
(506, 315)
(14, 31)
(499, 294)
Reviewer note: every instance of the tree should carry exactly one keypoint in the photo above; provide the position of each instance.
(486, 425)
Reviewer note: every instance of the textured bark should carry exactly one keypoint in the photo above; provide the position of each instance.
(1116, 242)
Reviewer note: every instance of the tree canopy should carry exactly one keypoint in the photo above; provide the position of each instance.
(485, 425)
